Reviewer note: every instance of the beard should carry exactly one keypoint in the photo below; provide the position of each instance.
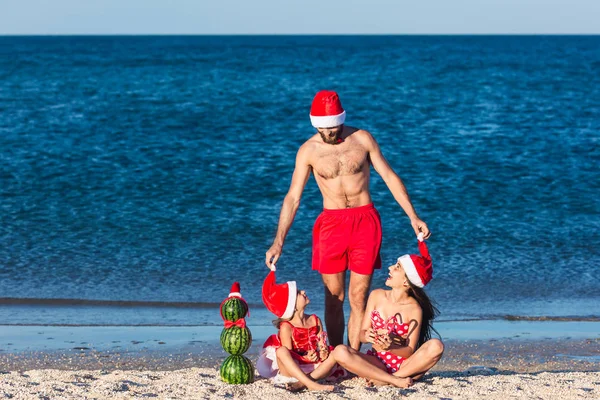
(333, 137)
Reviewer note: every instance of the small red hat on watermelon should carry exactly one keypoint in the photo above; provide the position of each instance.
(234, 307)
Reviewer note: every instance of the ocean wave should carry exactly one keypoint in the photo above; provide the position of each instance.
(109, 303)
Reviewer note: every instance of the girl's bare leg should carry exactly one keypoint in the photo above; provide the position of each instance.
(288, 367)
(323, 370)
(320, 372)
(368, 367)
(422, 360)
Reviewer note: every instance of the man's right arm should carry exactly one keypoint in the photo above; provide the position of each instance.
(394, 183)
(291, 202)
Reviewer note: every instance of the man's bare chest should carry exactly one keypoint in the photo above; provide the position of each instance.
(330, 165)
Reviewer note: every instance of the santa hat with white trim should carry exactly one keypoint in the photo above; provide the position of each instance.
(418, 269)
(279, 299)
(326, 110)
(235, 290)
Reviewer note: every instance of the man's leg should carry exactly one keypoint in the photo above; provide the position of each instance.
(335, 285)
(358, 293)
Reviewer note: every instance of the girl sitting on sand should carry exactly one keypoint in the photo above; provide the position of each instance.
(300, 347)
(397, 322)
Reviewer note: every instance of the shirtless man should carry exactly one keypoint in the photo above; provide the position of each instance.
(347, 234)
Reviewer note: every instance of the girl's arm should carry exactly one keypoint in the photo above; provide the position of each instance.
(285, 335)
(366, 333)
(322, 342)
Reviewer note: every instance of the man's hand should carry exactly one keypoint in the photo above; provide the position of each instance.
(420, 226)
(273, 255)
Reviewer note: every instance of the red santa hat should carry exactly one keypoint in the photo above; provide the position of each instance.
(418, 269)
(279, 299)
(235, 290)
(326, 110)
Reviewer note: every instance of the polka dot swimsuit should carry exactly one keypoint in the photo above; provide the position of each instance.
(392, 362)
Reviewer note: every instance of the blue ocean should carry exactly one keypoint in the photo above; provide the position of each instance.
(141, 176)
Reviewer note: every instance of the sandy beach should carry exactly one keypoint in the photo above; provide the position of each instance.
(470, 369)
(483, 360)
(204, 383)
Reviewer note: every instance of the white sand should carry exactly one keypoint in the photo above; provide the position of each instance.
(204, 383)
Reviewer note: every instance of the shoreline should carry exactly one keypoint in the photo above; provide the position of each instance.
(519, 346)
(24, 338)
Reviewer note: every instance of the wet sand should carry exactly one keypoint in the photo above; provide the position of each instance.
(527, 356)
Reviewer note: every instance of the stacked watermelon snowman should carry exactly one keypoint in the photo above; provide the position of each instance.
(236, 339)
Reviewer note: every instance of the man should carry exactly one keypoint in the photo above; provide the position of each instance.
(347, 235)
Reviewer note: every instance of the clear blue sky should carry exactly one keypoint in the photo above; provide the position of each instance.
(298, 16)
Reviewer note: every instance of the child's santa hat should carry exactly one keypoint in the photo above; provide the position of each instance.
(418, 269)
(279, 299)
(326, 110)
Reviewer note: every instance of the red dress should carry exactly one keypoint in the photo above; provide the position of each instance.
(303, 340)
(390, 360)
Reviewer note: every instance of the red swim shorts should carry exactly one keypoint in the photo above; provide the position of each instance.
(348, 238)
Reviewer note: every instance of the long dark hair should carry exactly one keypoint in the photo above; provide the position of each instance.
(429, 312)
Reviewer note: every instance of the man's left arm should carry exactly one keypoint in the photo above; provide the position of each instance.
(395, 184)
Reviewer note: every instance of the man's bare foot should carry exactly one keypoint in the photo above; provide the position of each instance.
(403, 382)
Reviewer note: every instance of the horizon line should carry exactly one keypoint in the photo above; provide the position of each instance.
(297, 34)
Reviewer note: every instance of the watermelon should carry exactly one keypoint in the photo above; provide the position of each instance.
(233, 309)
(236, 340)
(237, 370)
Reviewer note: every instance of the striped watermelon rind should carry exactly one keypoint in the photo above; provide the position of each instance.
(236, 340)
(233, 309)
(237, 370)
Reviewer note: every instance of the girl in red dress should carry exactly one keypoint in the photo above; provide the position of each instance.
(300, 347)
